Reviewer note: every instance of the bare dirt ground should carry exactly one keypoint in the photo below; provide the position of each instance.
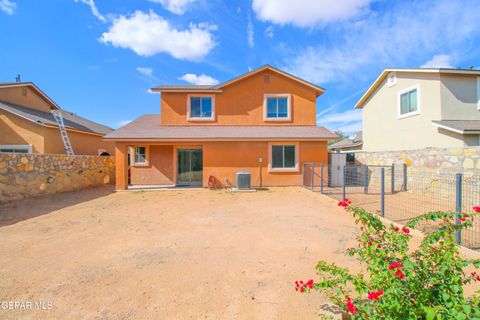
(177, 254)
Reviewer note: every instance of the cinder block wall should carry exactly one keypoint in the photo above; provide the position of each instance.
(30, 175)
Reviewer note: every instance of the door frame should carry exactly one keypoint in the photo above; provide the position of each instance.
(175, 161)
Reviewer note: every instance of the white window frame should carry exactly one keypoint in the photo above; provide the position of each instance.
(189, 114)
(16, 146)
(277, 95)
(284, 143)
(399, 102)
(391, 79)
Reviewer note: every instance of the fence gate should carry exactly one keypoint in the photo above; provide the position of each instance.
(335, 175)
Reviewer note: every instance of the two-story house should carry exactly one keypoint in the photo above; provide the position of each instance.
(263, 122)
(29, 123)
(419, 108)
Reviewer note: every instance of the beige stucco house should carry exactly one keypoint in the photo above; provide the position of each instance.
(408, 109)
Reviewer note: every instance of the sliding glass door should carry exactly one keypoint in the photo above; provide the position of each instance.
(190, 167)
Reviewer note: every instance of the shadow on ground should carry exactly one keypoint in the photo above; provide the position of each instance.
(15, 212)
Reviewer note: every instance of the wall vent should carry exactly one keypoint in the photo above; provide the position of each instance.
(266, 78)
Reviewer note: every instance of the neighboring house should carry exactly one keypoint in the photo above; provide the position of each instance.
(263, 122)
(418, 108)
(27, 124)
(348, 144)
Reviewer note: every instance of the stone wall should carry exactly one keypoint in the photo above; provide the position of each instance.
(29, 175)
(429, 159)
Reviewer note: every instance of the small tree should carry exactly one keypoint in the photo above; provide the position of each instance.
(341, 135)
(426, 283)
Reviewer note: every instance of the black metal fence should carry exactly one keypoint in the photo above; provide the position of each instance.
(399, 193)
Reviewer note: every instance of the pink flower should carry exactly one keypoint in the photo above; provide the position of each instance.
(476, 208)
(405, 230)
(395, 265)
(397, 229)
(400, 274)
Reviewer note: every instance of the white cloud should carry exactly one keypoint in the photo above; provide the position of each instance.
(8, 6)
(145, 71)
(123, 123)
(390, 39)
(269, 32)
(94, 9)
(250, 34)
(344, 117)
(201, 79)
(148, 34)
(350, 128)
(439, 61)
(175, 6)
(308, 13)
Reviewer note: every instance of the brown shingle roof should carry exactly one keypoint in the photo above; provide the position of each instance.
(460, 126)
(148, 127)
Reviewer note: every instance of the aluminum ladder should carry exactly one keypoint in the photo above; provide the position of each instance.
(57, 114)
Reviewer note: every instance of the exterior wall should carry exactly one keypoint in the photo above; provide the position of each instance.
(459, 97)
(24, 96)
(382, 128)
(430, 159)
(160, 168)
(221, 160)
(82, 143)
(241, 103)
(16, 130)
(24, 176)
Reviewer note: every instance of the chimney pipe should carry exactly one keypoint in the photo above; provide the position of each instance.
(17, 79)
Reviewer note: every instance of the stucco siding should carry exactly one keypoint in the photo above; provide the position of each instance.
(241, 103)
(24, 96)
(16, 130)
(160, 169)
(82, 143)
(459, 97)
(383, 130)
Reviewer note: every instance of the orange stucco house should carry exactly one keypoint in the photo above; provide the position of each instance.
(263, 122)
(28, 125)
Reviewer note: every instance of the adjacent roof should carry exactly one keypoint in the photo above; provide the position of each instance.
(33, 86)
(148, 127)
(218, 88)
(459, 126)
(385, 73)
(356, 141)
(71, 120)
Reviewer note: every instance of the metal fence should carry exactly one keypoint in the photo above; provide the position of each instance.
(400, 193)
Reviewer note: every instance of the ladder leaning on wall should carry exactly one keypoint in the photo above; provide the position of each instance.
(57, 114)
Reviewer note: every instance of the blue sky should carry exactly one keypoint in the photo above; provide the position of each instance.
(98, 58)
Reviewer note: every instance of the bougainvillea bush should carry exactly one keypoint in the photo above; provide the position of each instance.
(426, 282)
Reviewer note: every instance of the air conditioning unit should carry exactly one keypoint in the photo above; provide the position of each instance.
(244, 180)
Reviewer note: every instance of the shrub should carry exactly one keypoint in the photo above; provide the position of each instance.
(402, 283)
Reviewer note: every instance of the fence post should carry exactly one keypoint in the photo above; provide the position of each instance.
(313, 175)
(393, 178)
(321, 179)
(382, 192)
(365, 182)
(303, 174)
(458, 206)
(344, 182)
(405, 179)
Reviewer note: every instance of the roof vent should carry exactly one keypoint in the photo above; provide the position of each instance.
(244, 179)
(17, 79)
(266, 78)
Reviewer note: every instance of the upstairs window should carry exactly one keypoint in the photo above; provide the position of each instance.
(277, 107)
(409, 102)
(201, 108)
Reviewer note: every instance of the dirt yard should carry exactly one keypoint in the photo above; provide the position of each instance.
(177, 254)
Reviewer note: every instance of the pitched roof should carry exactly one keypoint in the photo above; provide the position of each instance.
(31, 85)
(459, 126)
(348, 142)
(385, 73)
(71, 120)
(148, 127)
(218, 88)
